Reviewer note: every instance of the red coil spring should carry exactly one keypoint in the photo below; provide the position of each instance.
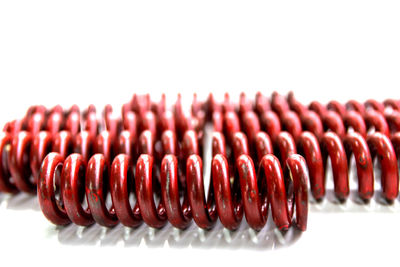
(322, 133)
(24, 143)
(251, 141)
(180, 176)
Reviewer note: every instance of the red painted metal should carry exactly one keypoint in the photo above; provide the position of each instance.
(264, 154)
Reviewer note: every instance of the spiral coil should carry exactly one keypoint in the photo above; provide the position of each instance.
(24, 143)
(318, 136)
(248, 194)
(264, 154)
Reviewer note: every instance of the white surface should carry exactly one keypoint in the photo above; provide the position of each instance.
(102, 51)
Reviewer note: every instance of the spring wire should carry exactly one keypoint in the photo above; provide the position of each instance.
(264, 153)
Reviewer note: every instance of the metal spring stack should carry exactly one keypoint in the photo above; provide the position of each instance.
(267, 153)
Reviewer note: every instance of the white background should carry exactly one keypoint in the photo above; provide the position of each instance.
(102, 52)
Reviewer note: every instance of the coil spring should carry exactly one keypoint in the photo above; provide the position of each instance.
(24, 143)
(249, 194)
(325, 135)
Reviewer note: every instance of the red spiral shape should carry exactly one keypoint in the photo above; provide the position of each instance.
(24, 143)
(264, 153)
(178, 182)
(325, 138)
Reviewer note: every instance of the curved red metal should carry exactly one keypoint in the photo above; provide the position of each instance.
(151, 150)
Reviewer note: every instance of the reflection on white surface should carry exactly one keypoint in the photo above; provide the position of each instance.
(218, 237)
(268, 238)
